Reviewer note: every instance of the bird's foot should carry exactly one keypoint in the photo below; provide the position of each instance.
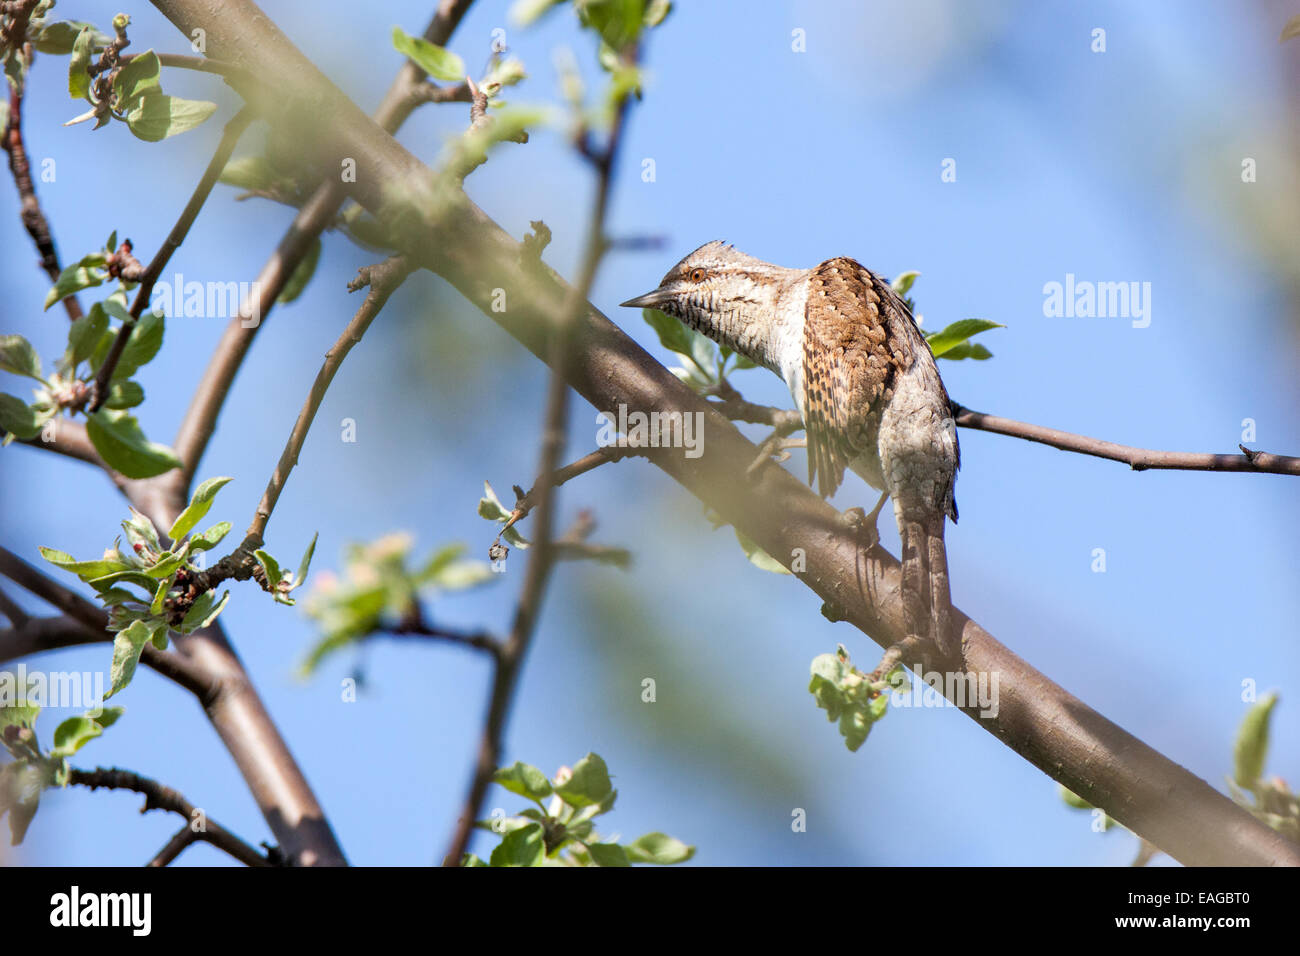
(865, 523)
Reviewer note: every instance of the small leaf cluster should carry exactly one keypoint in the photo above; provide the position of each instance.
(1270, 800)
(491, 508)
(952, 342)
(129, 92)
(46, 36)
(69, 386)
(851, 697)
(618, 25)
(32, 770)
(705, 363)
(559, 829)
(170, 596)
(379, 590)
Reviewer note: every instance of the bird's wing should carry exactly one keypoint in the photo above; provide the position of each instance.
(848, 366)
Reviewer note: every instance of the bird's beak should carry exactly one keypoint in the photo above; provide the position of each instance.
(651, 300)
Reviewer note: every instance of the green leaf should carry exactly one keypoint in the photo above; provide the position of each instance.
(140, 530)
(169, 563)
(145, 341)
(521, 847)
(967, 350)
(673, 336)
(19, 715)
(1291, 29)
(59, 37)
(18, 356)
(1072, 799)
(137, 78)
(439, 63)
(124, 395)
(17, 417)
(302, 274)
(608, 854)
(117, 437)
(85, 333)
(159, 597)
(253, 173)
(617, 21)
(957, 333)
(523, 779)
(847, 696)
(76, 277)
(589, 783)
(1252, 743)
(199, 504)
(490, 507)
(21, 783)
(655, 11)
(269, 565)
(903, 282)
(659, 848)
(78, 75)
(203, 611)
(75, 732)
(86, 570)
(210, 538)
(758, 557)
(525, 12)
(305, 564)
(156, 116)
(127, 647)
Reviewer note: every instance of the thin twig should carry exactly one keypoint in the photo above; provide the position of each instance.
(160, 797)
(1139, 459)
(526, 501)
(229, 137)
(510, 661)
(32, 215)
(383, 280)
(315, 215)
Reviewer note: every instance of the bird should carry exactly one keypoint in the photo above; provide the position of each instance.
(864, 381)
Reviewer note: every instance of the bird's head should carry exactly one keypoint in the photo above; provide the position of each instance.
(715, 284)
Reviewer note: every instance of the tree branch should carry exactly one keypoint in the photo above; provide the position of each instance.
(563, 341)
(1139, 459)
(234, 129)
(383, 279)
(159, 797)
(33, 217)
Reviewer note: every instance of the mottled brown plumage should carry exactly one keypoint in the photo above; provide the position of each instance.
(864, 380)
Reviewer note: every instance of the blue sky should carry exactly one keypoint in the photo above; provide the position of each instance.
(1123, 165)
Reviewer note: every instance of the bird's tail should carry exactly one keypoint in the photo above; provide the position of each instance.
(926, 599)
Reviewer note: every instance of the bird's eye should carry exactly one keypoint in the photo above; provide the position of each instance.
(697, 274)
